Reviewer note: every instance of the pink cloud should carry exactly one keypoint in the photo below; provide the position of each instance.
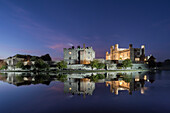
(56, 58)
(18, 50)
(36, 29)
(57, 46)
(29, 51)
(42, 33)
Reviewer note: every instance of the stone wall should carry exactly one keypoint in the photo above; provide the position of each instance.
(140, 66)
(79, 67)
(108, 66)
(111, 66)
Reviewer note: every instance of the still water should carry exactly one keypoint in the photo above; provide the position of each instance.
(132, 92)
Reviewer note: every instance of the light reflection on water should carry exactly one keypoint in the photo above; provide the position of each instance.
(89, 92)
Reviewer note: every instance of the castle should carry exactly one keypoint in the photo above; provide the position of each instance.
(79, 55)
(134, 54)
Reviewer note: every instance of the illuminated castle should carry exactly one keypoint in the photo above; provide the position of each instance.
(135, 54)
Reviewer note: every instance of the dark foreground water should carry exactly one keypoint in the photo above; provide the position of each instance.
(137, 92)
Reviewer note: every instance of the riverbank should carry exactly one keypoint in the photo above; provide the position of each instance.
(76, 71)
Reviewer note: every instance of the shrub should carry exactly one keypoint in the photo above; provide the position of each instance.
(40, 64)
(127, 63)
(96, 64)
(62, 65)
(20, 64)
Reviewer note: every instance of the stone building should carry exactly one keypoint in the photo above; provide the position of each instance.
(135, 54)
(79, 55)
(12, 61)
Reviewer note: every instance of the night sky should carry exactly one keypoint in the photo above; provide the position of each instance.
(38, 27)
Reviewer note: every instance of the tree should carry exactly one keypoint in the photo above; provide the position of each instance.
(94, 64)
(41, 78)
(159, 64)
(40, 64)
(20, 64)
(34, 58)
(62, 78)
(95, 78)
(62, 65)
(100, 66)
(127, 63)
(167, 61)
(27, 67)
(46, 57)
(4, 66)
(152, 62)
(127, 78)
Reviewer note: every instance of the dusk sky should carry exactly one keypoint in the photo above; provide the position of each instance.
(38, 27)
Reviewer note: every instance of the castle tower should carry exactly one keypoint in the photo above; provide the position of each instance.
(142, 58)
(111, 49)
(116, 47)
(143, 49)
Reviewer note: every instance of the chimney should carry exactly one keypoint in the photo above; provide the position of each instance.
(130, 45)
(116, 46)
(84, 46)
(78, 47)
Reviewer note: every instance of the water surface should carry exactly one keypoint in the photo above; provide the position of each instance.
(81, 93)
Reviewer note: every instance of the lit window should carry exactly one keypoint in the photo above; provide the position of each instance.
(145, 77)
(142, 46)
(108, 57)
(120, 83)
(137, 59)
(69, 53)
(136, 79)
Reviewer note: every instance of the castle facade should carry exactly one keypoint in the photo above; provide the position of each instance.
(134, 54)
(79, 55)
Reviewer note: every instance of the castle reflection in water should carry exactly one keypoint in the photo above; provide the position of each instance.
(84, 84)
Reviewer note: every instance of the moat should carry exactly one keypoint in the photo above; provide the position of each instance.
(130, 92)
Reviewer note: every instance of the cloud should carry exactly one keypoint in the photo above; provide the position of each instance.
(60, 46)
(49, 38)
(16, 9)
(28, 51)
(53, 39)
(39, 31)
(15, 50)
(57, 46)
(70, 44)
(56, 58)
